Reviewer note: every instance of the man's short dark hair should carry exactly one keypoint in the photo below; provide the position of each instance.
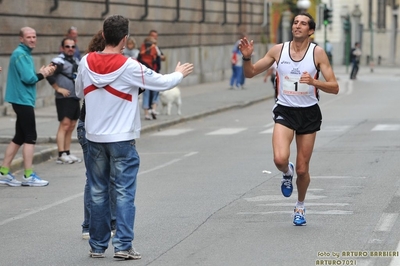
(65, 39)
(311, 21)
(115, 28)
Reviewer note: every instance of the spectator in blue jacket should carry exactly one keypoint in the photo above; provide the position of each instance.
(21, 93)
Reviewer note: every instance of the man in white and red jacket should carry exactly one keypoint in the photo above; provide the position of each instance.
(110, 84)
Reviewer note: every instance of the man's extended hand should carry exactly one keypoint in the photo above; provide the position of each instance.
(185, 68)
(47, 70)
(246, 47)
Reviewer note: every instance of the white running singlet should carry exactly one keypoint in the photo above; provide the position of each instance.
(291, 92)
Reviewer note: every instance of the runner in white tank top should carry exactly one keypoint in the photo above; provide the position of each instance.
(296, 111)
(291, 92)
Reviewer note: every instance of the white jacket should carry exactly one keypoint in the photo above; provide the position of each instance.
(110, 84)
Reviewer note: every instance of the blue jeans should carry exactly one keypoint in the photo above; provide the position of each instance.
(237, 77)
(121, 160)
(150, 98)
(81, 132)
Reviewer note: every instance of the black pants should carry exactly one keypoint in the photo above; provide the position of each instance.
(25, 126)
(354, 70)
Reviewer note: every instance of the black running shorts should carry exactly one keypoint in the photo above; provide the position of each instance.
(303, 120)
(68, 107)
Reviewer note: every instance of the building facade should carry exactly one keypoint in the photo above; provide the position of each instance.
(202, 32)
(373, 23)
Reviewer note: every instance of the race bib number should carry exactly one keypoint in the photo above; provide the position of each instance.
(292, 86)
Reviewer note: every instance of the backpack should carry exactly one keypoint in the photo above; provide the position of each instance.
(148, 55)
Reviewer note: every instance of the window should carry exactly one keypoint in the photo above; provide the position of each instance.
(381, 23)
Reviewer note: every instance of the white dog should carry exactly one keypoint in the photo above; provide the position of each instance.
(169, 97)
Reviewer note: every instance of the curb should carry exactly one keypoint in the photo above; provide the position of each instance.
(38, 157)
(47, 154)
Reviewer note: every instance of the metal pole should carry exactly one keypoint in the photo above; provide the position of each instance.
(325, 38)
(325, 25)
(371, 62)
(347, 50)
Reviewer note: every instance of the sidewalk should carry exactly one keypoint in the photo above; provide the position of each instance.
(197, 101)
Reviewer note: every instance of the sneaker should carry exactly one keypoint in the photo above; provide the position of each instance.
(34, 181)
(130, 254)
(10, 180)
(64, 158)
(85, 236)
(299, 216)
(148, 117)
(96, 255)
(113, 233)
(74, 158)
(287, 186)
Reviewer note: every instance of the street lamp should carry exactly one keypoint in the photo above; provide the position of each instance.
(345, 16)
(303, 5)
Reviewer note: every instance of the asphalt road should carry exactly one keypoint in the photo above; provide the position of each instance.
(203, 198)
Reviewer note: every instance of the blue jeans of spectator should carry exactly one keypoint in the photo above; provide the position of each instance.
(150, 98)
(121, 160)
(237, 77)
(81, 132)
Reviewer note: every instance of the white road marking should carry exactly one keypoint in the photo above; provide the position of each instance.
(330, 177)
(172, 132)
(350, 88)
(268, 131)
(307, 204)
(280, 197)
(191, 154)
(166, 164)
(336, 177)
(329, 212)
(270, 124)
(226, 131)
(43, 208)
(386, 222)
(67, 199)
(336, 128)
(386, 127)
(397, 194)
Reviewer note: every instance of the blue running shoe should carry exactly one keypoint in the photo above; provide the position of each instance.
(299, 216)
(287, 186)
(34, 181)
(9, 180)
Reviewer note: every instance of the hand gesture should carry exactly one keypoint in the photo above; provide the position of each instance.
(306, 78)
(63, 91)
(246, 47)
(47, 70)
(185, 69)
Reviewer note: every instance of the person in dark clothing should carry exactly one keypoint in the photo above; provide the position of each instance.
(355, 55)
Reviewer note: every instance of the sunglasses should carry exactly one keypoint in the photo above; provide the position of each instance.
(68, 46)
